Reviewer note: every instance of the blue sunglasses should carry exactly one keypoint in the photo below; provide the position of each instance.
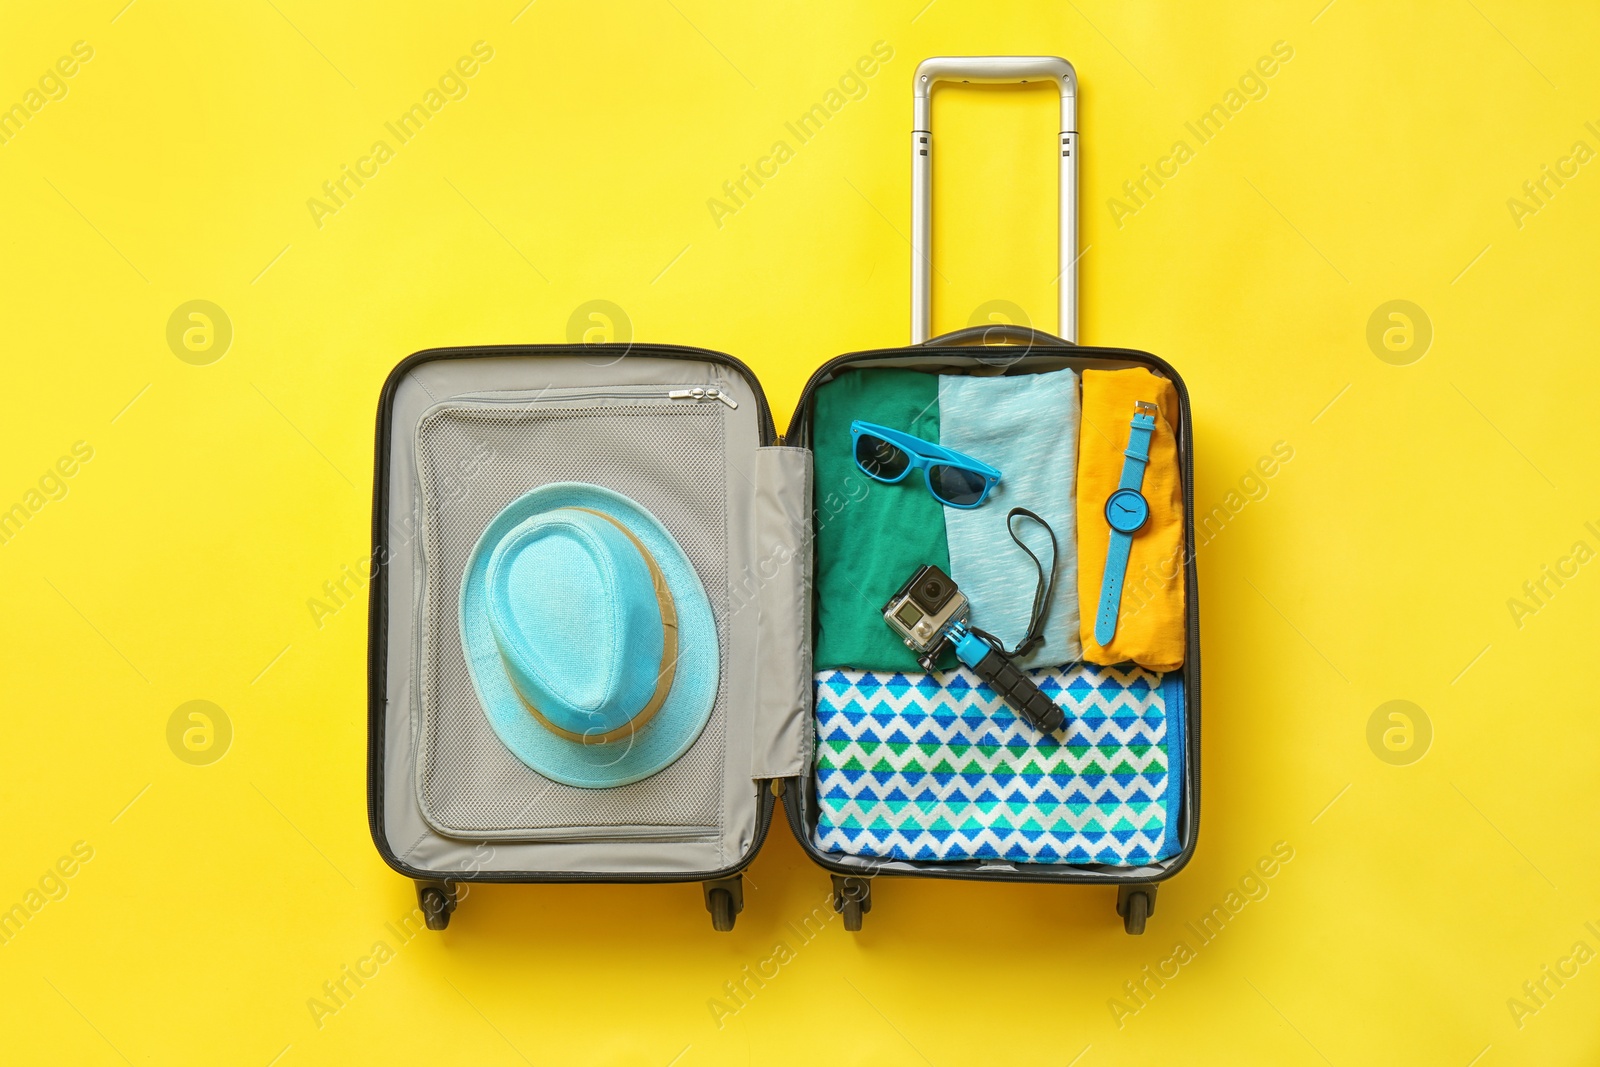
(954, 479)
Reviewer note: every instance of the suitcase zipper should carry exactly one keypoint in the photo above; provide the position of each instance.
(697, 393)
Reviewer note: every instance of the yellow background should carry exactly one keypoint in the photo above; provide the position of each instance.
(220, 498)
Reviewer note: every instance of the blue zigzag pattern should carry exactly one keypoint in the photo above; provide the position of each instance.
(937, 767)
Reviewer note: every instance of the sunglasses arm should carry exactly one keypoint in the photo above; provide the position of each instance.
(916, 446)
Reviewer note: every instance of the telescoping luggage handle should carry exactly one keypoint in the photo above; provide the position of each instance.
(991, 70)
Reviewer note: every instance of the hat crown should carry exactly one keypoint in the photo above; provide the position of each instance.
(686, 674)
(575, 613)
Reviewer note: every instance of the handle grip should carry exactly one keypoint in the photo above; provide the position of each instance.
(995, 70)
(1018, 690)
(991, 70)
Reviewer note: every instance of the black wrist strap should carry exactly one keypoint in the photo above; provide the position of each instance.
(1042, 592)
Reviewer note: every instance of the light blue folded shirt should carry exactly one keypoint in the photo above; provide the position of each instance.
(1026, 425)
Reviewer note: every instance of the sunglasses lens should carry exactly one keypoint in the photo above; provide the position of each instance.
(879, 458)
(955, 485)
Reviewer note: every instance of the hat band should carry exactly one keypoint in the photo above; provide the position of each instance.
(669, 655)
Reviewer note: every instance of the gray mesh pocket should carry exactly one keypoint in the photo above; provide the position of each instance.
(474, 458)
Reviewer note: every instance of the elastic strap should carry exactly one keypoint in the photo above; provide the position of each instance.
(1042, 592)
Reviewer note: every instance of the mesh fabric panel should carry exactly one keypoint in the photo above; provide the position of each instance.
(473, 460)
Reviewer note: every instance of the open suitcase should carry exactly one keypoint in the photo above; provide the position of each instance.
(686, 433)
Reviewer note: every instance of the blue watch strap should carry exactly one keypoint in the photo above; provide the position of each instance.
(1138, 451)
(1120, 545)
(1105, 620)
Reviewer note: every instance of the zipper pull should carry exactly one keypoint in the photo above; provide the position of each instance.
(700, 393)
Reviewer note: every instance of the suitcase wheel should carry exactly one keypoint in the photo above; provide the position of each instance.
(437, 900)
(724, 900)
(1135, 903)
(852, 898)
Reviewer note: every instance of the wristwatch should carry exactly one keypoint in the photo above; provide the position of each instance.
(1127, 511)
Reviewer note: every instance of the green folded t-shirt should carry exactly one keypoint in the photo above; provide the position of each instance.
(870, 536)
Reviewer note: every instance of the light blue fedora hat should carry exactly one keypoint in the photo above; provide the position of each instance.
(588, 635)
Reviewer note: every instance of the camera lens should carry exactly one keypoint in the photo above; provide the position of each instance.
(931, 588)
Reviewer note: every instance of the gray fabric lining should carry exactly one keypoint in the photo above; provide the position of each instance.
(474, 457)
(728, 826)
(779, 589)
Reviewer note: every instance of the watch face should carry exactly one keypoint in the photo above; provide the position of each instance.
(1127, 511)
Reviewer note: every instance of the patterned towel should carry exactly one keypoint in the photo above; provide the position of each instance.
(936, 767)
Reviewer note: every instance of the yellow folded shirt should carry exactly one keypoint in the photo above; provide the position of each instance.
(1150, 624)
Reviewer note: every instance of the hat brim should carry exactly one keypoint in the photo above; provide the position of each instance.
(681, 717)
